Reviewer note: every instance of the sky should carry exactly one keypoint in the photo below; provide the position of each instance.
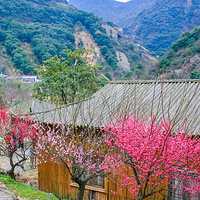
(118, 0)
(122, 0)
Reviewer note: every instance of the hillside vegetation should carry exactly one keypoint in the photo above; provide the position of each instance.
(35, 30)
(155, 24)
(23, 191)
(183, 59)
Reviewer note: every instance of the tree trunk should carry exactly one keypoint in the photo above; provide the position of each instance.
(81, 190)
(11, 172)
(140, 195)
(13, 165)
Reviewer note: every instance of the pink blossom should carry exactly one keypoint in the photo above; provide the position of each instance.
(152, 150)
(44, 67)
(41, 89)
(75, 63)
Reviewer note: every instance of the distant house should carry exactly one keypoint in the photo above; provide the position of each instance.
(30, 79)
(25, 79)
(3, 75)
(169, 99)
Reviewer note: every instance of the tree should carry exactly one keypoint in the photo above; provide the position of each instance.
(17, 136)
(14, 91)
(80, 151)
(67, 79)
(155, 155)
(1, 98)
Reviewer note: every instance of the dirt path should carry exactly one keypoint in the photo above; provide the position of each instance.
(5, 193)
(29, 177)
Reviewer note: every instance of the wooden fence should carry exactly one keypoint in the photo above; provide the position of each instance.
(54, 178)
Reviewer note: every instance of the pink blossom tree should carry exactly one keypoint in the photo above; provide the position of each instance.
(155, 155)
(81, 150)
(16, 139)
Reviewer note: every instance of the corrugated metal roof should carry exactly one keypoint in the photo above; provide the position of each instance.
(173, 99)
(31, 106)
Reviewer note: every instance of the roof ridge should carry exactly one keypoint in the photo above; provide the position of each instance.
(154, 81)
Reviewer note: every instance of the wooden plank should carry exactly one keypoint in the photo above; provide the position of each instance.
(55, 178)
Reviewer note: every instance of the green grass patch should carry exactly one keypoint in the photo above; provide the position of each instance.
(22, 190)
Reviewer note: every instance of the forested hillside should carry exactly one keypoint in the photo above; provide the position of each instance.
(183, 60)
(161, 25)
(155, 24)
(35, 30)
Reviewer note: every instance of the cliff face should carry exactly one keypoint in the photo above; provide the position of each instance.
(113, 32)
(84, 38)
(125, 60)
(116, 33)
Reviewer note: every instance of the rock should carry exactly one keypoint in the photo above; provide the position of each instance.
(81, 34)
(123, 61)
(195, 59)
(113, 32)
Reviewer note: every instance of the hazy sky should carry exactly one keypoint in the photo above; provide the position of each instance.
(123, 0)
(118, 0)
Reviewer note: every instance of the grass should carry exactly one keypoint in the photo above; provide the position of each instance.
(22, 190)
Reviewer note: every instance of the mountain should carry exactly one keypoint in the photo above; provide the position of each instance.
(110, 10)
(32, 31)
(155, 24)
(183, 59)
